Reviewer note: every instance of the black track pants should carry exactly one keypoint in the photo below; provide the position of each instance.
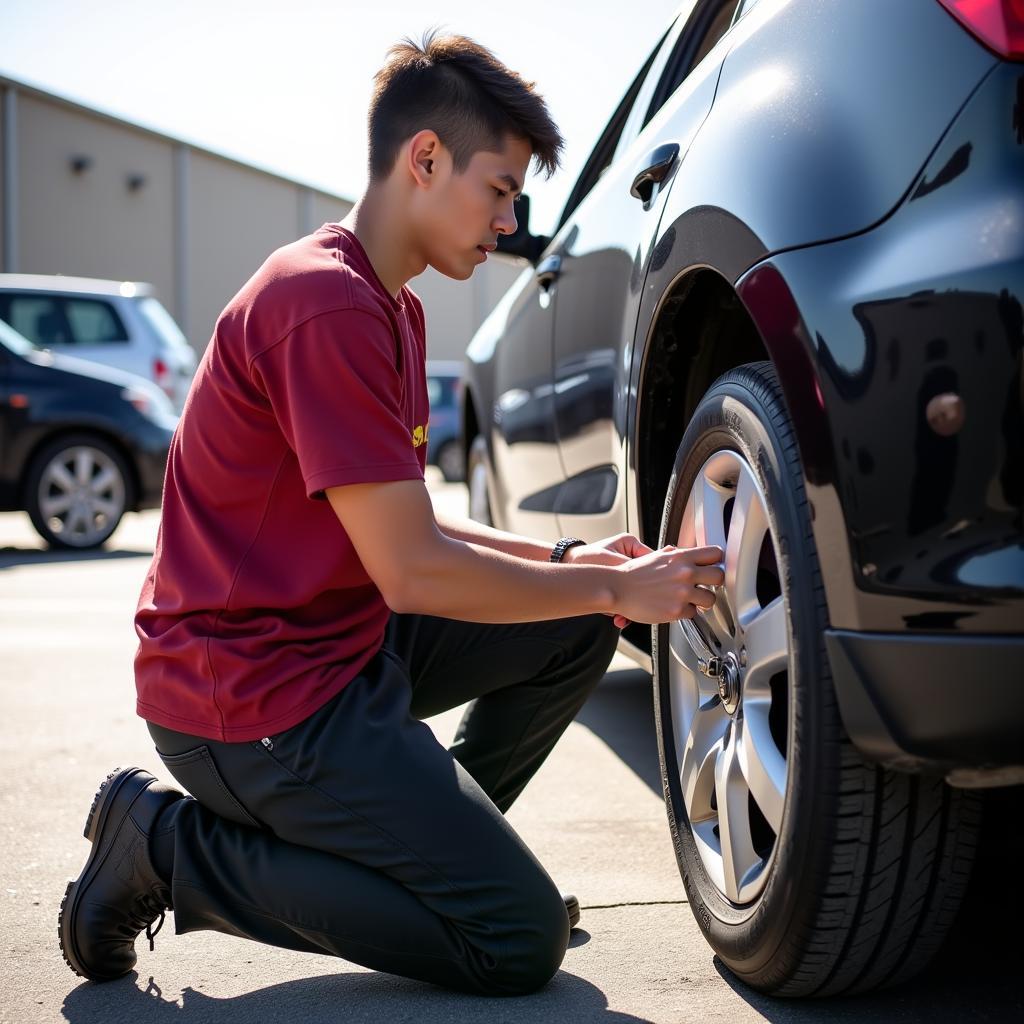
(356, 834)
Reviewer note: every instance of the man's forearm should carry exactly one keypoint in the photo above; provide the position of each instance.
(464, 580)
(419, 568)
(460, 528)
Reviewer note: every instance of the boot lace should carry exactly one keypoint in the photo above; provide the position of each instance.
(151, 907)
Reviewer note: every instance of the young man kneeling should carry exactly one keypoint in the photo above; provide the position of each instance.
(305, 609)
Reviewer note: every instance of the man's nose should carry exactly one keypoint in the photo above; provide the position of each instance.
(506, 224)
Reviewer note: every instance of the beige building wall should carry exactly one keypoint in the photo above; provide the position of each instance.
(326, 209)
(236, 218)
(144, 206)
(92, 223)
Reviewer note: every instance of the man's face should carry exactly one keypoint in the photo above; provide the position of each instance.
(461, 215)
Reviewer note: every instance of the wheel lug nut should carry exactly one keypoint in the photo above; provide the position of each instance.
(743, 657)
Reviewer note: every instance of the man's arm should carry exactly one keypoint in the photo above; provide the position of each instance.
(418, 568)
(472, 532)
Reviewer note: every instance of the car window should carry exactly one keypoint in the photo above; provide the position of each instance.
(744, 7)
(638, 115)
(38, 317)
(433, 391)
(93, 322)
(604, 151)
(49, 320)
(705, 27)
(13, 341)
(161, 321)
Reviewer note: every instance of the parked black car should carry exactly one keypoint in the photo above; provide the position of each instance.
(80, 443)
(782, 313)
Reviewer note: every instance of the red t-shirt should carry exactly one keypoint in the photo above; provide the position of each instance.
(256, 609)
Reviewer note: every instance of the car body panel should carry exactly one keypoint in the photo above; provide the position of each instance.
(531, 422)
(712, 222)
(918, 530)
(857, 187)
(523, 450)
(606, 250)
(798, 106)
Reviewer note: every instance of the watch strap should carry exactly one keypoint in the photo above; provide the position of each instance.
(559, 550)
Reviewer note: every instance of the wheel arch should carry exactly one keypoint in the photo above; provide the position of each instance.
(703, 327)
(699, 332)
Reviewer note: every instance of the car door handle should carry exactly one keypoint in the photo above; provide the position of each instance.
(548, 270)
(655, 170)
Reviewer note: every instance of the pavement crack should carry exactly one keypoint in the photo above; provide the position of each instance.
(633, 903)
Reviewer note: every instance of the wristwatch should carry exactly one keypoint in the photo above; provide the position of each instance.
(559, 550)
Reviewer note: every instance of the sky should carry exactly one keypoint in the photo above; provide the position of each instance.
(284, 85)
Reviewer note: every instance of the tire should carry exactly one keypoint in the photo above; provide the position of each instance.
(477, 481)
(824, 874)
(449, 461)
(76, 491)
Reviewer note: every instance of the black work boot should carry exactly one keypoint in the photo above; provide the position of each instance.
(572, 908)
(118, 892)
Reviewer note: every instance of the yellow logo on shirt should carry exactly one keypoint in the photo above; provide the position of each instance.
(419, 436)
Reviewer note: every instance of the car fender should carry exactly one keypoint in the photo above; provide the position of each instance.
(792, 146)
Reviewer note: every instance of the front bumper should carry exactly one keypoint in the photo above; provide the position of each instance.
(949, 704)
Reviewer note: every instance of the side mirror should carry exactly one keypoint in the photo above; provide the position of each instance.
(522, 243)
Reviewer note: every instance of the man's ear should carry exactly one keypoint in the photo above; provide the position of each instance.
(422, 154)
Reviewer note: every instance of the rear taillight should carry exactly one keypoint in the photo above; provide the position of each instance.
(999, 24)
(162, 376)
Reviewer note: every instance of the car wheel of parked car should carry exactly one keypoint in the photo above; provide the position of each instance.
(449, 461)
(77, 490)
(476, 478)
(809, 871)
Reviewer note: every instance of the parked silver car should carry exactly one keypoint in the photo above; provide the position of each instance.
(117, 323)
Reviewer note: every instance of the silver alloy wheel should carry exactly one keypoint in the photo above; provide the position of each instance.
(728, 684)
(81, 493)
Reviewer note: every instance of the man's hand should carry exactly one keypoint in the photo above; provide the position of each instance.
(610, 551)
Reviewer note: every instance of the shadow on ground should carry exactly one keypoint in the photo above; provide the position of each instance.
(348, 998)
(620, 712)
(11, 557)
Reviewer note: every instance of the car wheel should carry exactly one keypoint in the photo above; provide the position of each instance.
(449, 461)
(476, 478)
(809, 871)
(77, 490)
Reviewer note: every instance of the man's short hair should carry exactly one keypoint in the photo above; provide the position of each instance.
(460, 90)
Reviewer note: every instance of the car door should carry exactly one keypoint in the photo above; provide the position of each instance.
(518, 337)
(600, 259)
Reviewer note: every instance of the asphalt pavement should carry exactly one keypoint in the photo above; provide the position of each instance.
(594, 816)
